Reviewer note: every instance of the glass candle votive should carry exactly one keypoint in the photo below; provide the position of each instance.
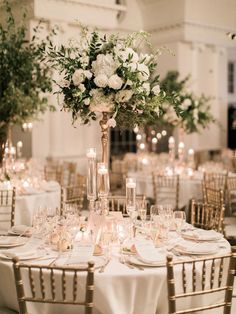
(102, 180)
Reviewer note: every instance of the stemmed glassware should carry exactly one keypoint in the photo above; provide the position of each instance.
(179, 220)
(103, 186)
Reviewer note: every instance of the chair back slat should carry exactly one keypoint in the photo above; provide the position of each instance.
(194, 276)
(42, 285)
(31, 281)
(53, 285)
(75, 282)
(203, 275)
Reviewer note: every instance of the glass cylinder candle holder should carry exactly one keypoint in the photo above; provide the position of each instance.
(103, 180)
(130, 194)
(91, 176)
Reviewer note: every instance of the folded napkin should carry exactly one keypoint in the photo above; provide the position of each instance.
(197, 248)
(21, 229)
(24, 252)
(147, 252)
(203, 235)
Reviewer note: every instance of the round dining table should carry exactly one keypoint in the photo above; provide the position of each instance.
(119, 289)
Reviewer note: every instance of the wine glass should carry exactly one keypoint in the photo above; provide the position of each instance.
(153, 212)
(179, 219)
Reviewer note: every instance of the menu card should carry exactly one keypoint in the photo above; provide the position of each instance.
(81, 253)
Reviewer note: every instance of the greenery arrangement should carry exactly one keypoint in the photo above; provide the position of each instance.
(108, 74)
(24, 79)
(194, 111)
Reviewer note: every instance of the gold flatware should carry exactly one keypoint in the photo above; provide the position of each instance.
(101, 270)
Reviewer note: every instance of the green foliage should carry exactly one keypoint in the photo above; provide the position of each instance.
(24, 79)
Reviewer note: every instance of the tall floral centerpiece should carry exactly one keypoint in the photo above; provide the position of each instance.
(194, 111)
(107, 77)
(24, 79)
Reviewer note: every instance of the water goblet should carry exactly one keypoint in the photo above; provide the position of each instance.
(179, 219)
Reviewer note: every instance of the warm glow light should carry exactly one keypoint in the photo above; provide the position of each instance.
(154, 140)
(142, 146)
(139, 137)
(158, 135)
(164, 133)
(153, 132)
(191, 151)
(136, 129)
(171, 140)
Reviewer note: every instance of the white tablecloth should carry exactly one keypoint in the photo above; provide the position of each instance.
(119, 290)
(189, 187)
(26, 205)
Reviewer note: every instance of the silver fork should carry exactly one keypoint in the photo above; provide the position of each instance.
(101, 270)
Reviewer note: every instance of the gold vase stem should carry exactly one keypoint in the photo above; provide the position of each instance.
(104, 128)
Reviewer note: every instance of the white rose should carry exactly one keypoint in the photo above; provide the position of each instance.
(144, 72)
(104, 64)
(78, 77)
(82, 87)
(111, 122)
(146, 88)
(145, 58)
(129, 53)
(124, 95)
(115, 82)
(101, 80)
(101, 102)
(157, 110)
(156, 89)
(64, 83)
(186, 104)
(88, 74)
(87, 101)
(129, 83)
(133, 66)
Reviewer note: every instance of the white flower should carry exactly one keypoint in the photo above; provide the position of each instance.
(101, 102)
(186, 104)
(111, 122)
(171, 116)
(104, 64)
(157, 110)
(87, 101)
(101, 80)
(115, 82)
(78, 77)
(156, 89)
(124, 95)
(129, 83)
(146, 88)
(143, 72)
(145, 58)
(64, 83)
(88, 74)
(128, 53)
(82, 87)
(84, 60)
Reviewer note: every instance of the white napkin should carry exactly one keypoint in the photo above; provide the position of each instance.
(21, 229)
(203, 235)
(147, 252)
(196, 248)
(26, 251)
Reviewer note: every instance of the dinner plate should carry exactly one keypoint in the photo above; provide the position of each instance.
(98, 261)
(139, 262)
(6, 242)
(23, 257)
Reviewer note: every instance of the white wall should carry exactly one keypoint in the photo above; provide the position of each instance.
(194, 30)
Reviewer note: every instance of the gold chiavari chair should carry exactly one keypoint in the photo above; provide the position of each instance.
(214, 196)
(47, 284)
(217, 181)
(231, 193)
(53, 173)
(68, 173)
(7, 208)
(118, 203)
(198, 281)
(73, 195)
(166, 189)
(206, 216)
